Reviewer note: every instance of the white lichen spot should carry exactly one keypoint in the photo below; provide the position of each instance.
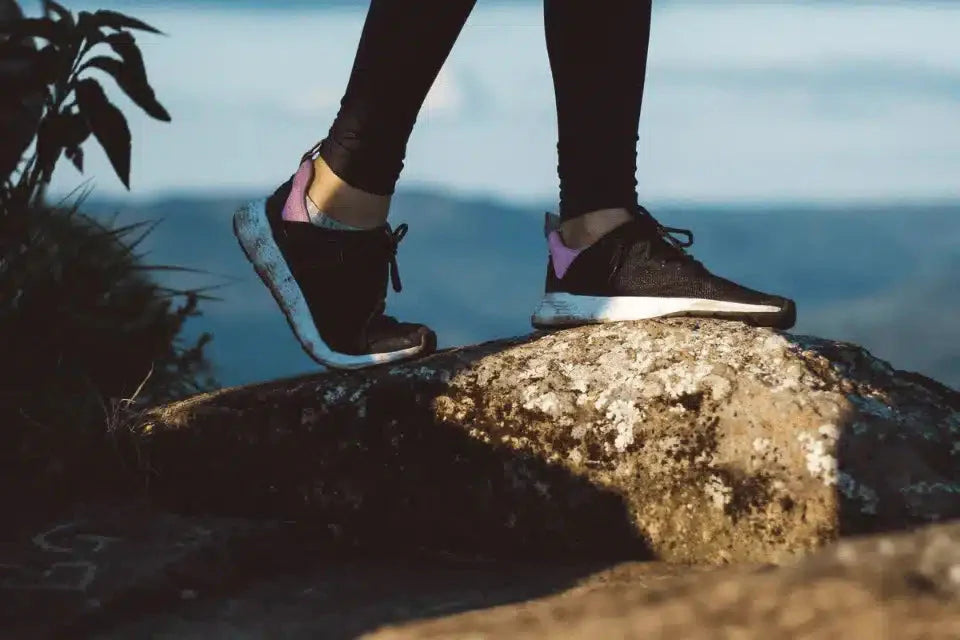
(829, 431)
(534, 371)
(578, 376)
(792, 374)
(872, 406)
(680, 380)
(858, 491)
(761, 445)
(859, 428)
(821, 453)
(931, 487)
(644, 362)
(334, 394)
(651, 389)
(420, 373)
(575, 456)
(579, 431)
(359, 392)
(718, 493)
(548, 403)
(704, 457)
(623, 415)
(775, 343)
(719, 387)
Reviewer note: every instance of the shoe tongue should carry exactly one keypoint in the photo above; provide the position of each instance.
(645, 229)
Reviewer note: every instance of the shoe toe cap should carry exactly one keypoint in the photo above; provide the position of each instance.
(407, 336)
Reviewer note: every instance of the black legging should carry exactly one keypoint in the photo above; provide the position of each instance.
(598, 56)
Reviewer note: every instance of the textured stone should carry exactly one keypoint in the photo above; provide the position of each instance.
(690, 440)
(905, 587)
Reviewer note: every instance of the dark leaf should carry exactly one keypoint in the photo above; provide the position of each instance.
(104, 63)
(25, 73)
(32, 28)
(76, 129)
(51, 63)
(130, 75)
(16, 50)
(114, 20)
(172, 293)
(51, 7)
(57, 132)
(164, 267)
(48, 143)
(75, 155)
(88, 28)
(19, 66)
(108, 125)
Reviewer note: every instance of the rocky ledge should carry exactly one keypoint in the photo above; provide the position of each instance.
(903, 586)
(698, 441)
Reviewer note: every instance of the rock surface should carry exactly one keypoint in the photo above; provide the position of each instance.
(123, 570)
(686, 440)
(128, 571)
(905, 587)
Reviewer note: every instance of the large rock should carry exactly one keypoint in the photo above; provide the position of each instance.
(691, 440)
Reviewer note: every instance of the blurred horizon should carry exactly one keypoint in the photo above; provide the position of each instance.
(812, 147)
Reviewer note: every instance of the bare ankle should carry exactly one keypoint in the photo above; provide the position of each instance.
(584, 230)
(345, 203)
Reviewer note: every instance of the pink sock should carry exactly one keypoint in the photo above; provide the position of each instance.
(295, 210)
(561, 255)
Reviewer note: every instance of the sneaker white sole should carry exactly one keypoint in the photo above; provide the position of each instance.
(566, 309)
(252, 229)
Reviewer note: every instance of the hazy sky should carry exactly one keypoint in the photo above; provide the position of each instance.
(752, 101)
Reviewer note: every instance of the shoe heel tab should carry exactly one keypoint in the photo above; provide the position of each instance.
(312, 153)
(551, 223)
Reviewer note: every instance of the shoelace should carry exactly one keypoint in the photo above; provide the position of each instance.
(666, 232)
(393, 238)
(662, 232)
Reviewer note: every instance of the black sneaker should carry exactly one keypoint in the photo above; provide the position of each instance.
(638, 271)
(331, 285)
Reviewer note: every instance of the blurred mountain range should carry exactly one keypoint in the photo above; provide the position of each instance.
(883, 276)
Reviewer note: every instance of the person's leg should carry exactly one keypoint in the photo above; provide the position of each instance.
(402, 48)
(321, 243)
(598, 57)
(610, 260)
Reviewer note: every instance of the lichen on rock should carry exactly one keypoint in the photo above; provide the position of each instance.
(696, 440)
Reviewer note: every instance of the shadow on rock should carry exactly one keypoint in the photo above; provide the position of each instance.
(367, 459)
(896, 444)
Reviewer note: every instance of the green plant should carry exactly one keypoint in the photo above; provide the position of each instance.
(87, 337)
(74, 103)
(81, 325)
